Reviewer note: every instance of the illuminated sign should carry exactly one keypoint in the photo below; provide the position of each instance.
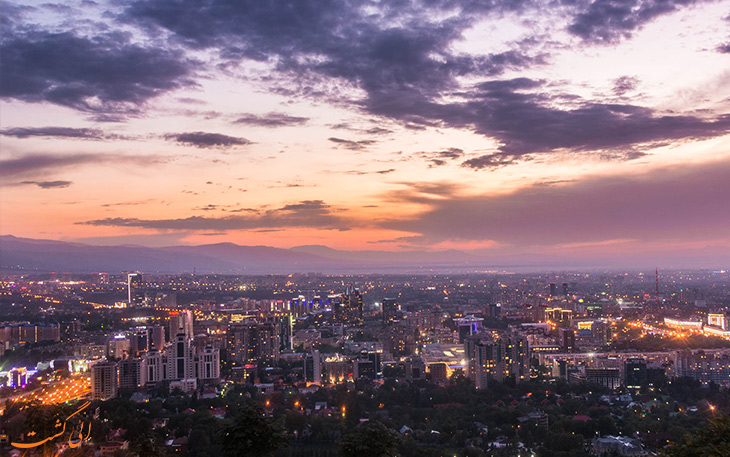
(73, 441)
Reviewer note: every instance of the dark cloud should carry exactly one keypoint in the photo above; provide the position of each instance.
(439, 158)
(41, 164)
(378, 131)
(271, 120)
(353, 145)
(624, 84)
(608, 21)
(129, 203)
(422, 192)
(528, 122)
(53, 132)
(376, 172)
(105, 75)
(209, 207)
(398, 53)
(400, 56)
(206, 140)
(724, 48)
(490, 161)
(307, 213)
(643, 207)
(317, 206)
(49, 184)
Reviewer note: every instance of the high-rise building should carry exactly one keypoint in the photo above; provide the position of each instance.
(70, 330)
(349, 308)
(131, 373)
(390, 309)
(505, 357)
(34, 333)
(313, 368)
(494, 310)
(253, 341)
(284, 326)
(605, 376)
(157, 337)
(635, 373)
(566, 339)
(209, 362)
(363, 368)
(299, 306)
(118, 347)
(399, 339)
(414, 368)
(135, 289)
(468, 326)
(181, 322)
(139, 341)
(705, 366)
(438, 371)
(181, 359)
(104, 381)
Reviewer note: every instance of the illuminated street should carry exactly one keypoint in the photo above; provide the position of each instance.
(74, 388)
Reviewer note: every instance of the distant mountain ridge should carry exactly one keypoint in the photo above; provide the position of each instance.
(49, 255)
(230, 258)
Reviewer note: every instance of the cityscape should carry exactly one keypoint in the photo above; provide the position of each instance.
(569, 363)
(365, 228)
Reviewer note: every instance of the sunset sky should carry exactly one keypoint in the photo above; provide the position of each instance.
(580, 128)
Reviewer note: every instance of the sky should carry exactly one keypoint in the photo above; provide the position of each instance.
(593, 129)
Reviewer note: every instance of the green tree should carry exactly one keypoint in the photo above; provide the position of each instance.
(372, 439)
(251, 434)
(712, 440)
(147, 446)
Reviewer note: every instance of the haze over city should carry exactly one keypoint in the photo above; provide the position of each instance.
(592, 132)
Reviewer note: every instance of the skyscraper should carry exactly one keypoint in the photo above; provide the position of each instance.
(135, 293)
(390, 309)
(181, 322)
(181, 359)
(209, 361)
(155, 365)
(104, 381)
(139, 341)
(131, 373)
(157, 337)
(349, 308)
(253, 341)
(505, 357)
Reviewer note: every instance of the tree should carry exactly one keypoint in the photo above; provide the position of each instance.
(713, 440)
(147, 446)
(372, 439)
(252, 434)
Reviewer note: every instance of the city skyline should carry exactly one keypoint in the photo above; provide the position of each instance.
(588, 130)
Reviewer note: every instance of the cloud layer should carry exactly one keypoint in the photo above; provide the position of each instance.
(308, 213)
(681, 203)
(206, 140)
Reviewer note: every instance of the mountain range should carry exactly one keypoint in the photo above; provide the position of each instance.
(25, 254)
(47, 255)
